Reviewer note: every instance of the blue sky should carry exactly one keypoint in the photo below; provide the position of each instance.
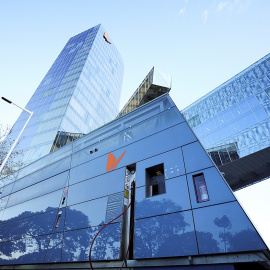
(200, 43)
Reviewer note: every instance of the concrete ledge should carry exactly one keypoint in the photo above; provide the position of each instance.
(233, 258)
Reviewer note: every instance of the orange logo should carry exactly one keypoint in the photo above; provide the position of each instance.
(112, 162)
(105, 36)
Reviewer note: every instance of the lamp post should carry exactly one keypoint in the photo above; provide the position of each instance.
(15, 142)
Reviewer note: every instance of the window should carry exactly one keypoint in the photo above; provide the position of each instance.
(155, 180)
(200, 188)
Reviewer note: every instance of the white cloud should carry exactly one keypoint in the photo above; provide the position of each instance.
(205, 16)
(222, 5)
(182, 11)
(229, 6)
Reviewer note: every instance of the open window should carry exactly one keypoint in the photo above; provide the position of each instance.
(200, 188)
(155, 180)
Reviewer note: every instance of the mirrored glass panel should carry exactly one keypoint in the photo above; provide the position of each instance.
(106, 245)
(24, 251)
(22, 228)
(175, 199)
(54, 250)
(165, 236)
(93, 213)
(129, 135)
(6, 190)
(156, 144)
(100, 186)
(57, 181)
(226, 229)
(37, 190)
(195, 157)
(173, 165)
(32, 207)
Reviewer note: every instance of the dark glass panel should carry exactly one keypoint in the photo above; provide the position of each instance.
(130, 135)
(106, 246)
(36, 206)
(53, 253)
(165, 236)
(103, 185)
(195, 157)
(226, 229)
(175, 199)
(24, 227)
(173, 165)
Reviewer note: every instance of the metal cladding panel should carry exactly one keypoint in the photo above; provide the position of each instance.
(140, 114)
(225, 228)
(37, 190)
(88, 170)
(4, 191)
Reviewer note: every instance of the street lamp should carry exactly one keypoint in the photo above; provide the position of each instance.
(15, 142)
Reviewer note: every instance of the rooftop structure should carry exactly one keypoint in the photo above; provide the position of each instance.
(155, 84)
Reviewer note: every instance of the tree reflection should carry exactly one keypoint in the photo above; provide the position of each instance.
(165, 235)
(246, 240)
(224, 223)
(27, 239)
(242, 240)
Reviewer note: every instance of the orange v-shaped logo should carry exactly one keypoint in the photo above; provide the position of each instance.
(112, 162)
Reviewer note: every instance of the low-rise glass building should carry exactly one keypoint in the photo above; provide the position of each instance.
(182, 214)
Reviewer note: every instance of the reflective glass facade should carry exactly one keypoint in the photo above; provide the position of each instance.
(155, 84)
(80, 93)
(232, 121)
(55, 206)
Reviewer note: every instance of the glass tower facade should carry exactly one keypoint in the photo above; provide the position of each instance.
(232, 121)
(80, 93)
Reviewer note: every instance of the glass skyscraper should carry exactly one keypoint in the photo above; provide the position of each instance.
(232, 121)
(80, 93)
